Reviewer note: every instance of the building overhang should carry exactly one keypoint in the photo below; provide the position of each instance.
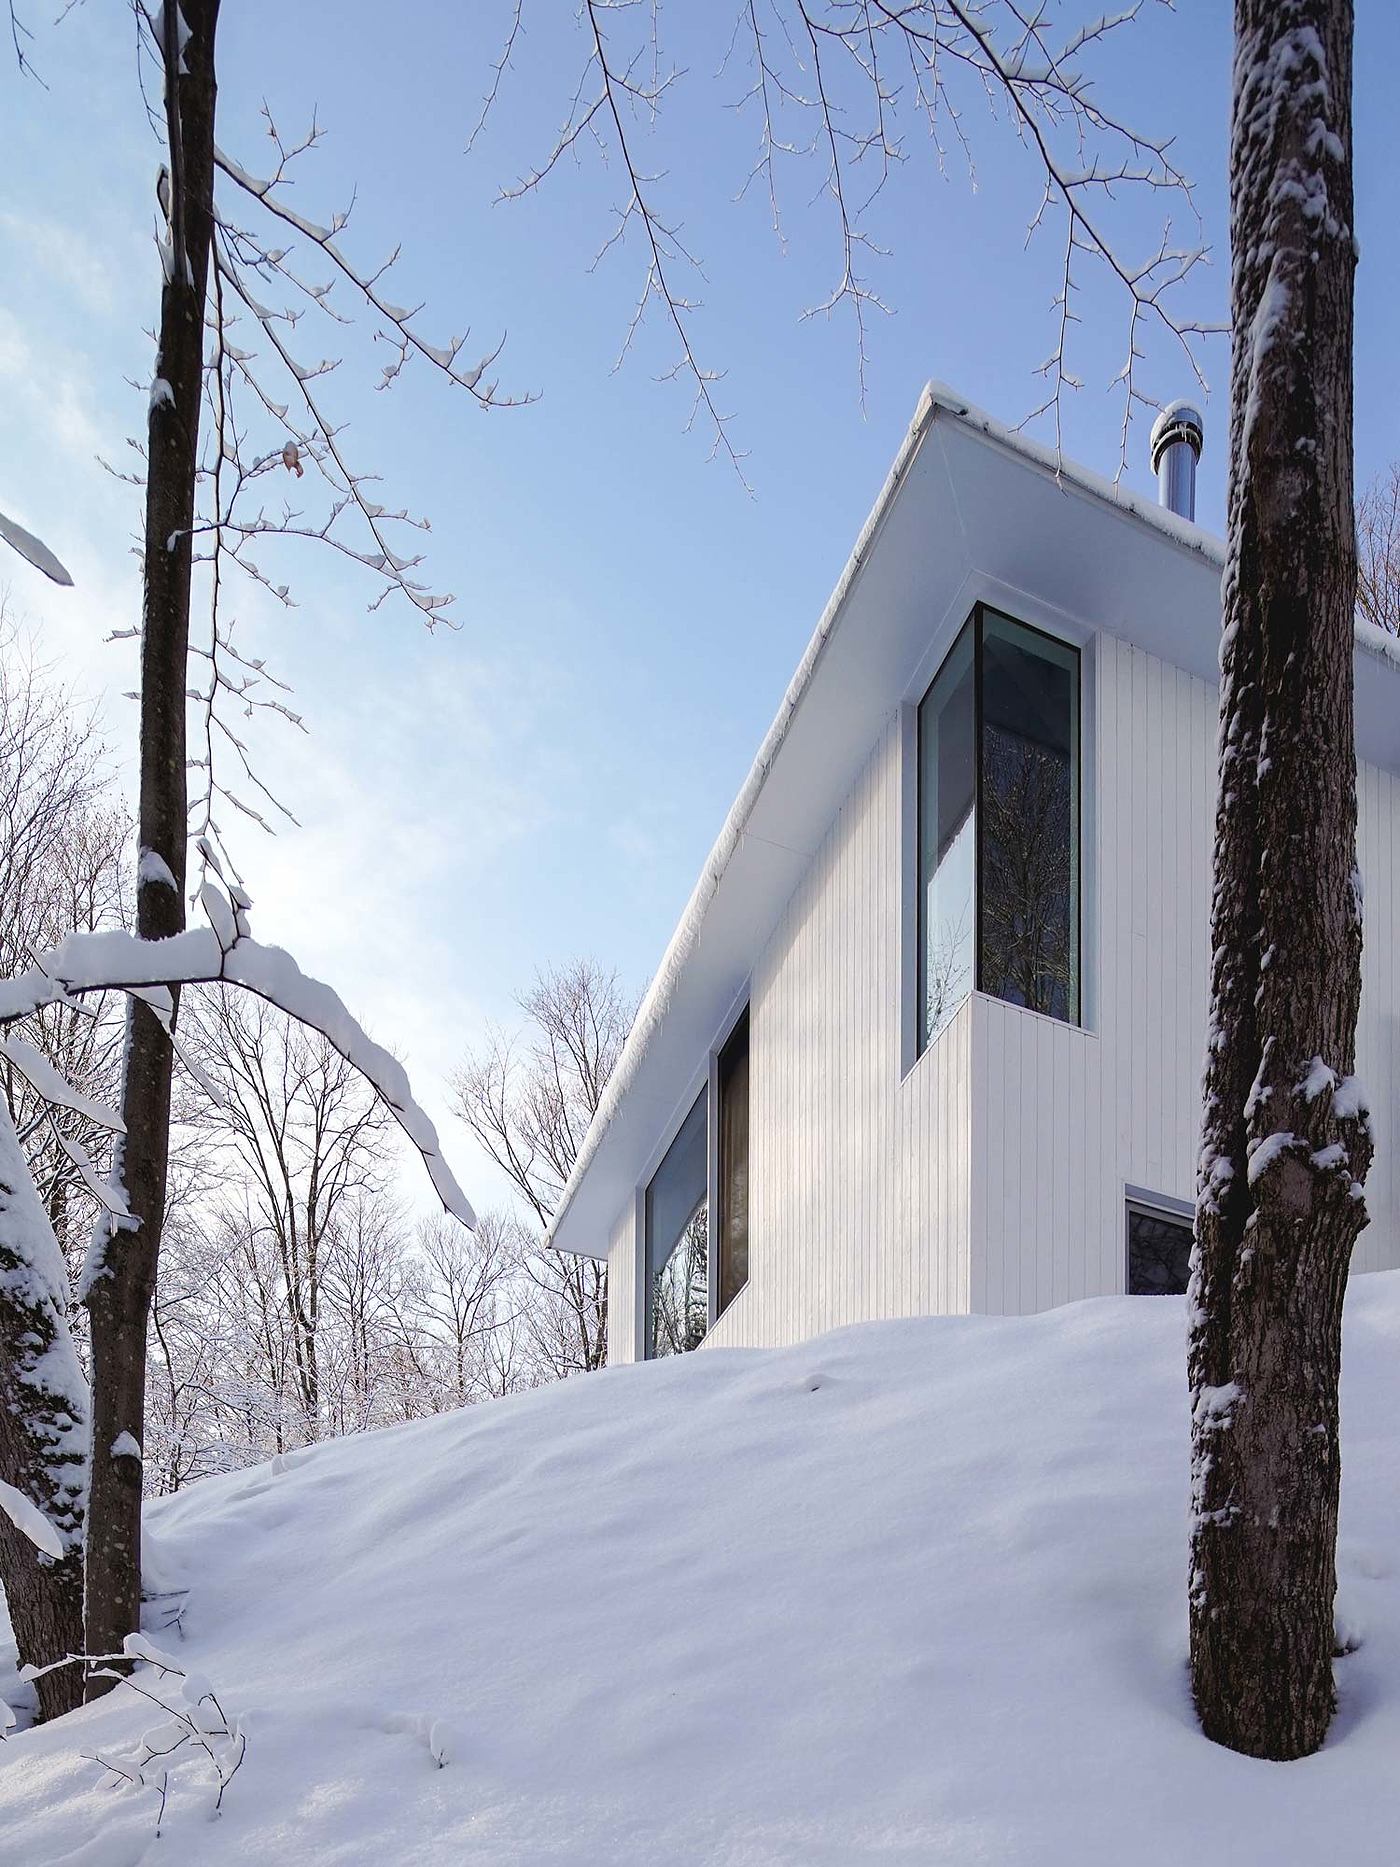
(970, 510)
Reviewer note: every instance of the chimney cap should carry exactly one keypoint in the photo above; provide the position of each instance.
(1178, 421)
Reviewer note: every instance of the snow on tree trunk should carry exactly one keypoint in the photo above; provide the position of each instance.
(43, 1432)
(1286, 1141)
(121, 1283)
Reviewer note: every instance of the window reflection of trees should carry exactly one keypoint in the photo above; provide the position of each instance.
(1027, 806)
(1159, 1254)
(681, 1290)
(948, 968)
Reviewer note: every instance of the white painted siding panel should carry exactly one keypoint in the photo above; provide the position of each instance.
(859, 1183)
(992, 1176)
(623, 1268)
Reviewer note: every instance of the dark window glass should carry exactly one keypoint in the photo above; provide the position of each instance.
(999, 824)
(1029, 930)
(732, 1233)
(677, 1241)
(947, 838)
(1159, 1253)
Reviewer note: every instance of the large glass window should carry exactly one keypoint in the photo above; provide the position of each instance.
(1030, 819)
(999, 824)
(677, 1240)
(1159, 1252)
(732, 1185)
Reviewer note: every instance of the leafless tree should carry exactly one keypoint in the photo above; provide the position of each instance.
(843, 92)
(410, 1322)
(1378, 551)
(62, 842)
(1286, 1139)
(468, 1303)
(529, 1098)
(233, 401)
(306, 1145)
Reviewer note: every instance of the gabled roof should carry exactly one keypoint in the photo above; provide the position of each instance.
(970, 509)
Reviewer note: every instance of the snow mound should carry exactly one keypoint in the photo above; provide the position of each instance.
(911, 1593)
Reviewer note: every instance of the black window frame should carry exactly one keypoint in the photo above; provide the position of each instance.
(736, 1039)
(976, 623)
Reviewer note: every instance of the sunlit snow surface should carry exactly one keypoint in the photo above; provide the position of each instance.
(913, 1593)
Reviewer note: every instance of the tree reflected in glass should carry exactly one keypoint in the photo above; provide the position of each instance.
(680, 1290)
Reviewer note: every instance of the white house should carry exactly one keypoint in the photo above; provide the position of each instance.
(929, 1035)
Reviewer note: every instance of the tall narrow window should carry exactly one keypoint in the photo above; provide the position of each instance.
(1030, 819)
(677, 1241)
(732, 1231)
(998, 834)
(947, 838)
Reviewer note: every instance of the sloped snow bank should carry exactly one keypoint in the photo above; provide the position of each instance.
(912, 1593)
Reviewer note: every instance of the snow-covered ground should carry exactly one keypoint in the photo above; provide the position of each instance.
(913, 1593)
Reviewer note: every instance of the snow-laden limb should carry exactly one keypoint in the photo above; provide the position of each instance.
(193, 1725)
(33, 550)
(119, 961)
(26, 1516)
(53, 1085)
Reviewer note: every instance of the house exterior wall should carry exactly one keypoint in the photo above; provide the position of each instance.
(1063, 1118)
(990, 1176)
(859, 1183)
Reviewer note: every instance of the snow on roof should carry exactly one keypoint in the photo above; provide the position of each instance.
(1084, 554)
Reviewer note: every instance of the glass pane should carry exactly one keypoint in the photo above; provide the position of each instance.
(1159, 1254)
(1030, 819)
(947, 838)
(733, 1228)
(677, 1241)
(680, 1292)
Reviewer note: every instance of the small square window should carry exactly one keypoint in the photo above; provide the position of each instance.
(1159, 1252)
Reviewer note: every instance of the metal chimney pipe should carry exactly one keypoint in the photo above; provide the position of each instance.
(1177, 438)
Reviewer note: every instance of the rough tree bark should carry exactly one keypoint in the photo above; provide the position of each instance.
(1286, 1142)
(43, 1432)
(122, 1275)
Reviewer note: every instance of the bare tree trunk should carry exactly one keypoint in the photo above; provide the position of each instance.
(1286, 1142)
(122, 1280)
(43, 1436)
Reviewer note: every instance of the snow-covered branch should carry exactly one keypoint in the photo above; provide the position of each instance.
(836, 86)
(33, 550)
(225, 953)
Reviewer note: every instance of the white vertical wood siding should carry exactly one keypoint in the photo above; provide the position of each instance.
(859, 1184)
(992, 1177)
(624, 1266)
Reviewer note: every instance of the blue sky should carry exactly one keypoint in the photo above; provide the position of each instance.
(546, 780)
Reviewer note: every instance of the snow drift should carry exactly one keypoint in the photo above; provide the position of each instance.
(911, 1593)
